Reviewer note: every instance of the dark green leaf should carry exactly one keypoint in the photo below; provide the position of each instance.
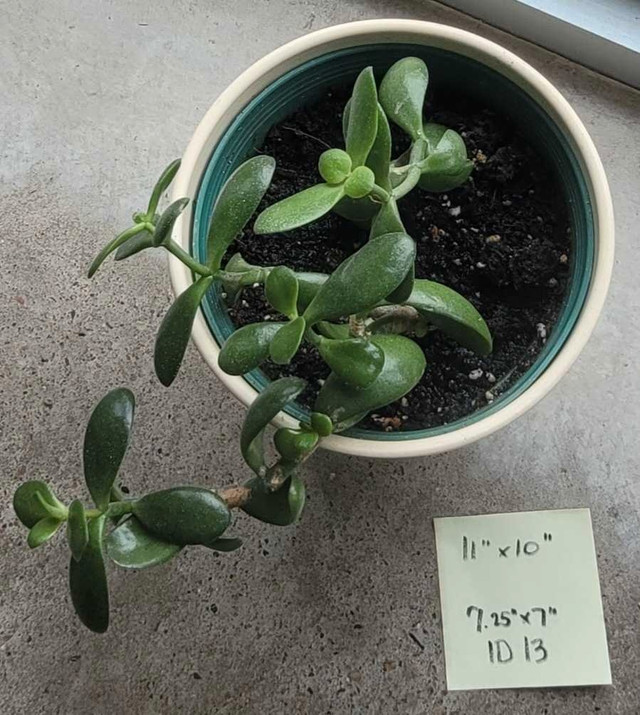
(183, 515)
(263, 409)
(299, 209)
(282, 507)
(356, 361)
(167, 220)
(362, 123)
(247, 348)
(358, 211)
(43, 531)
(175, 330)
(77, 529)
(105, 442)
(308, 285)
(131, 546)
(118, 241)
(379, 157)
(453, 314)
(446, 166)
(335, 331)
(402, 93)
(293, 445)
(88, 581)
(363, 279)
(162, 185)
(403, 366)
(236, 203)
(281, 290)
(403, 291)
(286, 341)
(228, 544)
(134, 245)
(34, 501)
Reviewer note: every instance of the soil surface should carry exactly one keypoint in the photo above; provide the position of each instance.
(501, 240)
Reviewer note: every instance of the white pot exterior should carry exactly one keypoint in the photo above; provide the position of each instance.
(265, 71)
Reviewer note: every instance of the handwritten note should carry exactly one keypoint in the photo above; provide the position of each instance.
(521, 603)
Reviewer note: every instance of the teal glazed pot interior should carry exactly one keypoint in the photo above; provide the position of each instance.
(308, 83)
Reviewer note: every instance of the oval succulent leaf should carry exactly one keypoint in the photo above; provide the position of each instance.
(446, 166)
(454, 315)
(114, 244)
(308, 285)
(282, 507)
(183, 515)
(365, 278)
(335, 331)
(175, 330)
(88, 581)
(403, 367)
(225, 544)
(292, 445)
(403, 291)
(321, 424)
(263, 409)
(362, 125)
(77, 529)
(105, 442)
(379, 157)
(387, 220)
(247, 348)
(334, 165)
(33, 501)
(131, 546)
(167, 220)
(402, 93)
(134, 245)
(236, 203)
(356, 361)
(281, 290)
(286, 341)
(299, 209)
(43, 531)
(359, 211)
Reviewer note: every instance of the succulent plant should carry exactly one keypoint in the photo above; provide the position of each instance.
(361, 319)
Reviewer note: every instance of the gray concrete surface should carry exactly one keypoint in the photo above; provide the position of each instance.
(94, 98)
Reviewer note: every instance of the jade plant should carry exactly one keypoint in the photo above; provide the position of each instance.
(362, 319)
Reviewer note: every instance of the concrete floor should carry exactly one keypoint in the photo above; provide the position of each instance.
(95, 98)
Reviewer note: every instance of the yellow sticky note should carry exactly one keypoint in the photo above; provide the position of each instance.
(520, 598)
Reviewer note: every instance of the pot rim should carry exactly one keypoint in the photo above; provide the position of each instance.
(266, 70)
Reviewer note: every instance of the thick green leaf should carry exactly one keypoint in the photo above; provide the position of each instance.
(282, 507)
(335, 331)
(308, 285)
(293, 445)
(334, 165)
(286, 341)
(105, 442)
(88, 581)
(131, 546)
(118, 241)
(402, 93)
(403, 366)
(263, 409)
(299, 209)
(362, 125)
(360, 183)
(167, 220)
(236, 203)
(34, 501)
(43, 531)
(247, 348)
(362, 280)
(134, 245)
(77, 529)
(356, 361)
(358, 211)
(446, 166)
(453, 314)
(379, 157)
(162, 185)
(281, 290)
(403, 291)
(387, 220)
(321, 424)
(225, 544)
(175, 330)
(183, 515)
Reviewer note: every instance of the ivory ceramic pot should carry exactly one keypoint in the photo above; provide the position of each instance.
(300, 72)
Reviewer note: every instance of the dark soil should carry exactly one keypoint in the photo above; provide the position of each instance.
(501, 240)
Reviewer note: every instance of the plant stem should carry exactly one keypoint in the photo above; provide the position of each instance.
(418, 151)
(235, 496)
(187, 259)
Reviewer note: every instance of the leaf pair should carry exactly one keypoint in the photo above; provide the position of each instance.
(447, 165)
